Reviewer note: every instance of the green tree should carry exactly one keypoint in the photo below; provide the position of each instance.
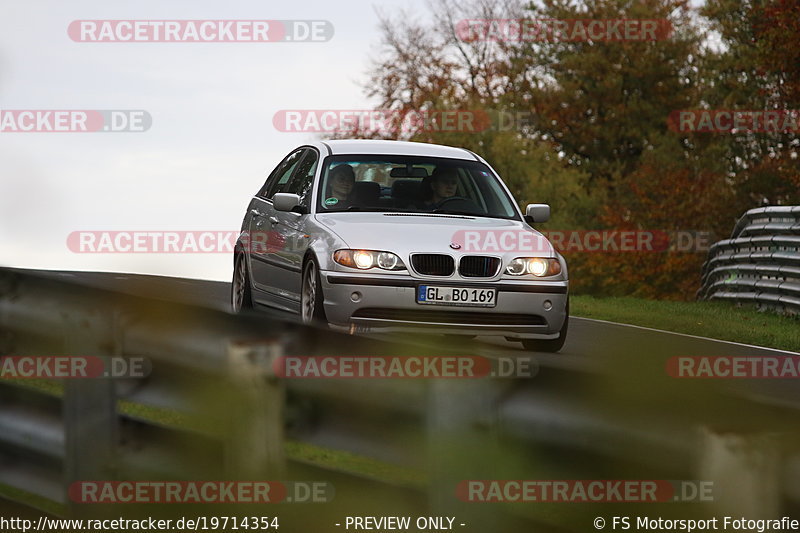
(756, 66)
(604, 102)
(429, 67)
(599, 148)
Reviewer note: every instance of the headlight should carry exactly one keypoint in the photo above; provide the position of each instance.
(366, 259)
(517, 267)
(538, 266)
(388, 261)
(363, 259)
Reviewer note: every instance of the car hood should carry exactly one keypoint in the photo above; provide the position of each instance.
(404, 233)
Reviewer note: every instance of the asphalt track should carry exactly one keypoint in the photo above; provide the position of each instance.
(593, 346)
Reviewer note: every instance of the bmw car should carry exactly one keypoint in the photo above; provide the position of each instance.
(382, 236)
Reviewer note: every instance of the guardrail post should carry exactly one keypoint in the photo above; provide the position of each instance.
(462, 445)
(255, 444)
(745, 469)
(89, 405)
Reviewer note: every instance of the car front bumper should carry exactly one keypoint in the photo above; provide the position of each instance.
(372, 302)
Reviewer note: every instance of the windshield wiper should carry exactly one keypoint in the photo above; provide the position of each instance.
(410, 212)
(453, 212)
(371, 209)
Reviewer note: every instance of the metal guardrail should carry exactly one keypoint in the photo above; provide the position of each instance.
(760, 263)
(218, 369)
(209, 369)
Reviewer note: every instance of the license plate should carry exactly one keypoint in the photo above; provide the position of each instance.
(461, 296)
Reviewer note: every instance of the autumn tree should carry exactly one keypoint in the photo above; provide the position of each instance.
(598, 146)
(427, 65)
(756, 67)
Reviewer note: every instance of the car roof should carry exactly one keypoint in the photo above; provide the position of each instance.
(370, 146)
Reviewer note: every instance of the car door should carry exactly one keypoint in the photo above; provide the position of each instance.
(291, 226)
(265, 241)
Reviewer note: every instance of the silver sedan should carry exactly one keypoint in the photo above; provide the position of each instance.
(392, 236)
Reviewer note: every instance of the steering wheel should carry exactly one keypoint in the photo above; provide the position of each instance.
(465, 204)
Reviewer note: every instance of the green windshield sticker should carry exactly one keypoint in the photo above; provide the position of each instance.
(331, 201)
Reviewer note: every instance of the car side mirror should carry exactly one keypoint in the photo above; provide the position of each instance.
(285, 201)
(537, 213)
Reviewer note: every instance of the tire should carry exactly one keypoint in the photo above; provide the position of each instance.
(549, 345)
(312, 309)
(241, 292)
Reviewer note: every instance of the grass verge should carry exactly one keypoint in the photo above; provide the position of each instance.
(298, 451)
(717, 320)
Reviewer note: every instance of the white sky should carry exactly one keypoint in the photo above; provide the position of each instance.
(212, 139)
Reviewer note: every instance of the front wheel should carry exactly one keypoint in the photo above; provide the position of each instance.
(311, 299)
(241, 293)
(549, 345)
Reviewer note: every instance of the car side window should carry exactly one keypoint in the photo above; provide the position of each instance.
(281, 175)
(304, 177)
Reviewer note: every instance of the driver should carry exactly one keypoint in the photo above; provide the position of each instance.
(439, 186)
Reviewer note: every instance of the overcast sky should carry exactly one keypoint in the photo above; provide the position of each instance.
(211, 141)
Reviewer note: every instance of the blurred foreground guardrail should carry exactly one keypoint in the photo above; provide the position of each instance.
(760, 263)
(213, 408)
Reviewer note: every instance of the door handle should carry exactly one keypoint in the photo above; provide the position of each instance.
(274, 220)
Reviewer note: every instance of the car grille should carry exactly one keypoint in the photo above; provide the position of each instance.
(433, 264)
(478, 266)
(450, 317)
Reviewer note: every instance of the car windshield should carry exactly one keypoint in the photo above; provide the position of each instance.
(413, 185)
